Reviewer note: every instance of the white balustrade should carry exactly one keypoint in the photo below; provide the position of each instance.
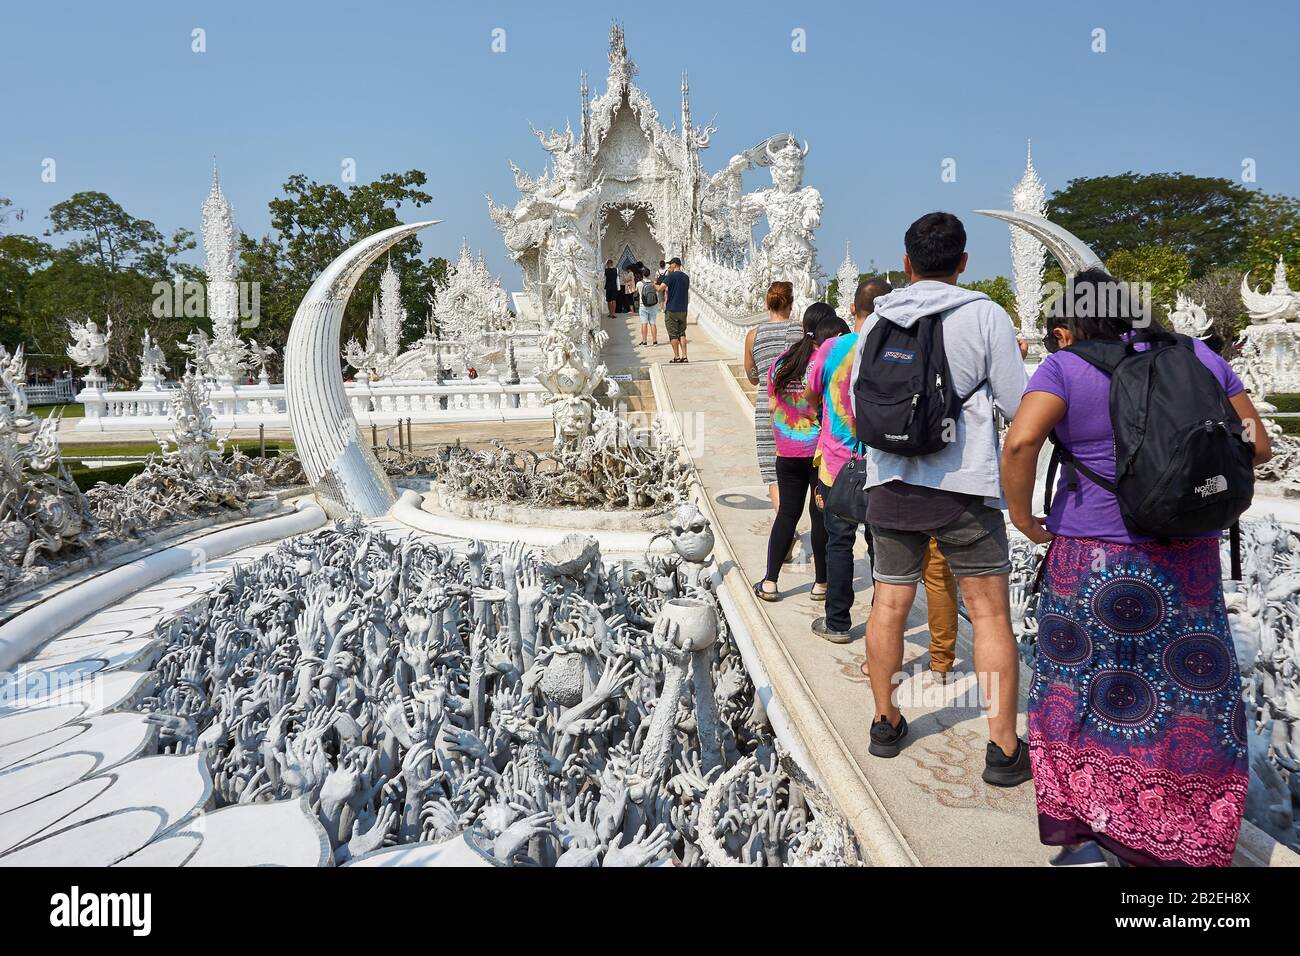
(378, 403)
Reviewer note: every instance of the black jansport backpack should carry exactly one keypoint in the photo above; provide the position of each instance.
(1183, 466)
(903, 399)
(649, 296)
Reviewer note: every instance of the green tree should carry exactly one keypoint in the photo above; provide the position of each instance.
(1166, 269)
(1204, 218)
(314, 222)
(999, 290)
(1274, 230)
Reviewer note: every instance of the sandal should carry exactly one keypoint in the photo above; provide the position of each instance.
(763, 594)
(818, 595)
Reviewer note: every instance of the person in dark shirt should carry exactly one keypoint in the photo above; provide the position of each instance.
(676, 291)
(611, 286)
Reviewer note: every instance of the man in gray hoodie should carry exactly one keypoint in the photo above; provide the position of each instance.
(953, 495)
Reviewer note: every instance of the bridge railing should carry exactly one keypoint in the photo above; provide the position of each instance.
(726, 327)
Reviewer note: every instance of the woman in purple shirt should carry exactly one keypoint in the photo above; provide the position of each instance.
(1137, 730)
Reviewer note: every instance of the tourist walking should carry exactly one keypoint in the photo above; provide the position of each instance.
(1137, 730)
(931, 364)
(675, 289)
(611, 287)
(795, 430)
(631, 276)
(763, 344)
(648, 299)
(828, 383)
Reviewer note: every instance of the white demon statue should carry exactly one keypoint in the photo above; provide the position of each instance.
(559, 214)
(794, 212)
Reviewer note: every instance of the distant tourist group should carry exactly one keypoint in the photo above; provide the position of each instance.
(638, 291)
(1136, 739)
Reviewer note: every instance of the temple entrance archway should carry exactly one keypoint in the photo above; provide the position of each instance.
(626, 237)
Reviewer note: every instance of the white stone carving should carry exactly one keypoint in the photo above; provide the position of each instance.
(335, 457)
(226, 356)
(41, 508)
(1189, 318)
(1279, 304)
(847, 282)
(1028, 254)
(152, 364)
(90, 347)
(793, 213)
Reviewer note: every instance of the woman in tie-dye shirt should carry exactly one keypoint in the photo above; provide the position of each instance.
(795, 429)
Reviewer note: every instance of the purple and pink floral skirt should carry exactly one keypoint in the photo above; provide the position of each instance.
(1137, 731)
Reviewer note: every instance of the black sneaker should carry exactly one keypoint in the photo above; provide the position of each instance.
(885, 738)
(1003, 771)
(829, 633)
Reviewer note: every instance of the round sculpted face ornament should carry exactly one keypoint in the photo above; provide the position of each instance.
(691, 533)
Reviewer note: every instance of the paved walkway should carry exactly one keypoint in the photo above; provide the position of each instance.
(932, 793)
(624, 350)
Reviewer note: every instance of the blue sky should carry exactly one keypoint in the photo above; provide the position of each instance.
(884, 93)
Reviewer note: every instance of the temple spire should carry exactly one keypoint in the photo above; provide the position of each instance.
(584, 93)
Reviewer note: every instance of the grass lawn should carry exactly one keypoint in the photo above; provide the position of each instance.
(72, 410)
(108, 449)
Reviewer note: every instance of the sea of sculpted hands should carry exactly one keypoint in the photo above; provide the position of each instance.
(413, 692)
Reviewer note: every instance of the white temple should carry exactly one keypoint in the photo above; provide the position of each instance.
(628, 188)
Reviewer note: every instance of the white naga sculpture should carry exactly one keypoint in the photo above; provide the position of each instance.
(226, 356)
(152, 364)
(794, 212)
(1028, 254)
(846, 278)
(1279, 304)
(89, 348)
(334, 456)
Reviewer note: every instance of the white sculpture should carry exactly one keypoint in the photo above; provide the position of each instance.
(1189, 318)
(152, 364)
(472, 310)
(1279, 304)
(89, 348)
(226, 356)
(847, 283)
(41, 508)
(1028, 254)
(335, 457)
(537, 708)
(793, 214)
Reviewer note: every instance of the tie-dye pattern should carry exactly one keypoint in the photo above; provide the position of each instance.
(794, 417)
(828, 376)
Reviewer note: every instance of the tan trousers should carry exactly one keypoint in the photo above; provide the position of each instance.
(941, 600)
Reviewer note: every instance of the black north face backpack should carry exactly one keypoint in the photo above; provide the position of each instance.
(1183, 466)
(903, 400)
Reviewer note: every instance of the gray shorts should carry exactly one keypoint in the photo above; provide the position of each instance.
(974, 544)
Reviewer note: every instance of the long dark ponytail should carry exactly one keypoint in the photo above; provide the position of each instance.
(819, 324)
